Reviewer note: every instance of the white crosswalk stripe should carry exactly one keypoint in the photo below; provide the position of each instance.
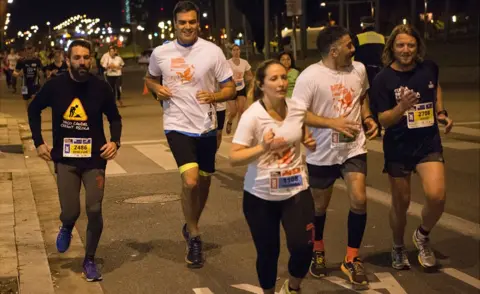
(158, 153)
(157, 150)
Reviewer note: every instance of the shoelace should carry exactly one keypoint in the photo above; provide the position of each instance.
(358, 266)
(91, 268)
(424, 249)
(401, 255)
(196, 247)
(65, 233)
(319, 260)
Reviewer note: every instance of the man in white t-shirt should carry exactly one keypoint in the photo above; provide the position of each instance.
(191, 68)
(242, 74)
(334, 90)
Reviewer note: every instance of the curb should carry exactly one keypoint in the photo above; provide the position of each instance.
(65, 268)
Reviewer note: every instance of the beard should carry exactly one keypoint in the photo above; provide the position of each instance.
(80, 73)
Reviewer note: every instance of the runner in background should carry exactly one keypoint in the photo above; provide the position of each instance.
(286, 58)
(242, 74)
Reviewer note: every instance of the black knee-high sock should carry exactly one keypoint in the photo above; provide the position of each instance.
(356, 228)
(319, 226)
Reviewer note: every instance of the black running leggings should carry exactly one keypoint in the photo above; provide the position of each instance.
(69, 179)
(115, 83)
(296, 215)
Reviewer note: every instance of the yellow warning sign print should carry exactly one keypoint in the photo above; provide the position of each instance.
(75, 112)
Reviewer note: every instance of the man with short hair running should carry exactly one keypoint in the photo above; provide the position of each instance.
(410, 104)
(335, 91)
(191, 68)
(80, 150)
(30, 67)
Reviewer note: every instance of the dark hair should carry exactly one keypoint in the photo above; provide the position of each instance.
(255, 93)
(388, 57)
(292, 63)
(235, 45)
(185, 6)
(329, 36)
(79, 42)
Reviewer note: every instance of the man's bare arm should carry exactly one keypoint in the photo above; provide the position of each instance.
(154, 86)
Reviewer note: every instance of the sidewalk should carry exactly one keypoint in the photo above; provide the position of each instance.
(29, 212)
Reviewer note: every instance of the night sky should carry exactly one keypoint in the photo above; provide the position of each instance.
(25, 13)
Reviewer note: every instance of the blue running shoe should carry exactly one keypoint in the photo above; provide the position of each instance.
(63, 239)
(90, 271)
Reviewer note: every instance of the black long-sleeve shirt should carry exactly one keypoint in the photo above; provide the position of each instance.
(77, 119)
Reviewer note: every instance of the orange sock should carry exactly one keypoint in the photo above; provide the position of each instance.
(318, 245)
(351, 253)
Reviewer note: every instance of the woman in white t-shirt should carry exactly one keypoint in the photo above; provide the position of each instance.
(113, 65)
(242, 74)
(276, 187)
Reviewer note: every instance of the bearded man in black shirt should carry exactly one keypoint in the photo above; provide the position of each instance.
(80, 150)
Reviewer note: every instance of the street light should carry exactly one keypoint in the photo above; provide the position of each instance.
(161, 24)
(323, 4)
(205, 15)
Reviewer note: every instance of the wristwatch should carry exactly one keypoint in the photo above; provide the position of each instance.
(444, 112)
(117, 143)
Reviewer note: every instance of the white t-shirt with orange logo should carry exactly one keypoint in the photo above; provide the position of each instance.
(329, 93)
(279, 175)
(185, 71)
(239, 72)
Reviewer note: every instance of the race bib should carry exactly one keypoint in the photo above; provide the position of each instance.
(24, 90)
(420, 116)
(285, 180)
(239, 83)
(210, 122)
(341, 141)
(77, 147)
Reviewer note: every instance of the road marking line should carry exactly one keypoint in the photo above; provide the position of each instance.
(377, 146)
(250, 288)
(447, 221)
(464, 131)
(386, 281)
(462, 277)
(144, 142)
(461, 145)
(158, 153)
(466, 123)
(347, 285)
(202, 291)
(113, 168)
